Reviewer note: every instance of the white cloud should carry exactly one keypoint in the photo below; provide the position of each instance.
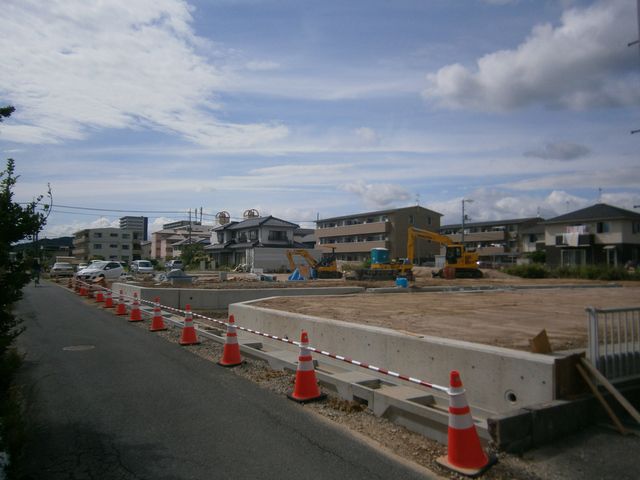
(262, 66)
(117, 64)
(559, 151)
(580, 64)
(379, 195)
(68, 229)
(499, 204)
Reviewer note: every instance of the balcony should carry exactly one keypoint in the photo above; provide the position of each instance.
(499, 236)
(352, 247)
(359, 229)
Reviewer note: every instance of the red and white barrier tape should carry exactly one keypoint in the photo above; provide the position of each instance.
(341, 358)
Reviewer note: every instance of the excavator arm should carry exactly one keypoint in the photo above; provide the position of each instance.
(414, 233)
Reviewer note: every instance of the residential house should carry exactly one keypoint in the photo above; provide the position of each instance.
(599, 234)
(500, 241)
(352, 237)
(258, 243)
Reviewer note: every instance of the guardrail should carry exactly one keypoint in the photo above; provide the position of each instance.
(614, 341)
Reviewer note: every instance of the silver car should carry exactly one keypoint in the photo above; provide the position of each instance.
(142, 266)
(61, 269)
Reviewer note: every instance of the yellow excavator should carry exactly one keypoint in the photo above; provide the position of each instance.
(462, 264)
(326, 267)
(457, 258)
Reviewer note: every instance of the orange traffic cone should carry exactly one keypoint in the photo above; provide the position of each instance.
(306, 387)
(135, 315)
(231, 352)
(81, 290)
(188, 331)
(121, 309)
(157, 323)
(464, 452)
(99, 296)
(108, 300)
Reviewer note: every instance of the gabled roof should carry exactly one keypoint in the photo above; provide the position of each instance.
(599, 211)
(258, 222)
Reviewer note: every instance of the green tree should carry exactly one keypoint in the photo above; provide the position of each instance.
(193, 254)
(17, 222)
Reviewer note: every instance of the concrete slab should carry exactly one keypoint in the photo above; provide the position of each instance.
(219, 299)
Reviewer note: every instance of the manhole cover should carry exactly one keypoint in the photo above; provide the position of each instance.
(78, 348)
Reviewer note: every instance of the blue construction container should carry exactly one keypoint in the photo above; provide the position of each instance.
(379, 255)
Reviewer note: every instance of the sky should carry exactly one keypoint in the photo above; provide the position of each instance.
(304, 109)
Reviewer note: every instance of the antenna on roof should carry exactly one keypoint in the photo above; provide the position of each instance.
(251, 213)
(223, 217)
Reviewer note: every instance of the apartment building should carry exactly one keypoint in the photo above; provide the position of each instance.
(137, 224)
(106, 243)
(500, 241)
(352, 237)
(163, 241)
(599, 234)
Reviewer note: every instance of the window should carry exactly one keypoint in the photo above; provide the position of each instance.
(429, 220)
(253, 234)
(113, 245)
(125, 247)
(277, 235)
(97, 246)
(560, 240)
(97, 235)
(603, 227)
(113, 235)
(126, 235)
(635, 227)
(410, 219)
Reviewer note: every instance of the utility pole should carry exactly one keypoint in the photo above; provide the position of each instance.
(636, 42)
(464, 217)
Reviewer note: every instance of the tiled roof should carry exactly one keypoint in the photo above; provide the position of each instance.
(599, 211)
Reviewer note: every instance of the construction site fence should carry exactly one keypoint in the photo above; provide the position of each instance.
(342, 358)
(614, 341)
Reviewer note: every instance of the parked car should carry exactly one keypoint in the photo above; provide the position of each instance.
(61, 269)
(142, 266)
(105, 269)
(174, 264)
(82, 266)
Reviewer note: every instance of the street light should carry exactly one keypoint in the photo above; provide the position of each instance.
(464, 200)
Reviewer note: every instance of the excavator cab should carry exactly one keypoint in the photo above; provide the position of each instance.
(452, 254)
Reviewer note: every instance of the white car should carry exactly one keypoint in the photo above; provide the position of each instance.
(105, 269)
(142, 266)
(61, 269)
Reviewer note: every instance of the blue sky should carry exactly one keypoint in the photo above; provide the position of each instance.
(302, 109)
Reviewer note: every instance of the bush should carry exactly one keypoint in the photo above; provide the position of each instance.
(533, 270)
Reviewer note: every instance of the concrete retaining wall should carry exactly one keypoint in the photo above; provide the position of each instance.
(218, 299)
(497, 380)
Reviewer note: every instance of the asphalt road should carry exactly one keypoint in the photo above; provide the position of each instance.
(108, 400)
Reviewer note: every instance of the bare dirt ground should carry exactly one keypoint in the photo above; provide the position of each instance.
(596, 453)
(500, 318)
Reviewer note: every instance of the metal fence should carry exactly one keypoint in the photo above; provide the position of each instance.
(614, 341)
